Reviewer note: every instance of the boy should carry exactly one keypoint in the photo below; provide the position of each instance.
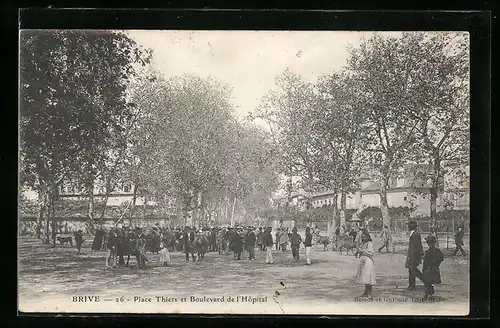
(308, 245)
(432, 259)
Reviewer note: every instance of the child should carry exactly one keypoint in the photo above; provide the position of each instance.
(432, 259)
(366, 267)
(164, 254)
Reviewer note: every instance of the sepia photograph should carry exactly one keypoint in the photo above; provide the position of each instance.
(244, 172)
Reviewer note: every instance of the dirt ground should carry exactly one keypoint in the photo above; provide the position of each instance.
(50, 278)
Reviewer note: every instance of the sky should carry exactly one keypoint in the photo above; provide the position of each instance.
(249, 61)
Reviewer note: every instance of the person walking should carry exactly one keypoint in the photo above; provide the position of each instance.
(459, 241)
(188, 240)
(251, 239)
(432, 260)
(268, 244)
(308, 245)
(337, 236)
(366, 267)
(220, 240)
(414, 257)
(385, 238)
(295, 241)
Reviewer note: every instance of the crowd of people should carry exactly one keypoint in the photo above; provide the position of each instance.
(243, 241)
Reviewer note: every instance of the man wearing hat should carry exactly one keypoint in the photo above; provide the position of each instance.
(237, 244)
(295, 241)
(432, 259)
(251, 239)
(415, 254)
(188, 240)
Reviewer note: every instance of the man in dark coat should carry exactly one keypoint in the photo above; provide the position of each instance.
(308, 245)
(251, 239)
(213, 240)
(337, 235)
(98, 240)
(459, 241)
(227, 238)
(78, 240)
(188, 240)
(414, 257)
(237, 244)
(295, 241)
(221, 241)
(243, 235)
(353, 234)
(432, 259)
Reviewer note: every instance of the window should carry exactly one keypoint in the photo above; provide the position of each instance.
(126, 187)
(405, 198)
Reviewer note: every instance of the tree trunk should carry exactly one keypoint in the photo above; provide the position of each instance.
(41, 210)
(343, 200)
(384, 207)
(226, 208)
(106, 198)
(134, 201)
(434, 192)
(90, 222)
(232, 212)
(47, 221)
(54, 233)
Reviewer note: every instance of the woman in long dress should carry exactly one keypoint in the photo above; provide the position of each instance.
(366, 267)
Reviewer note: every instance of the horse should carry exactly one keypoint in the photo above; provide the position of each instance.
(323, 240)
(201, 244)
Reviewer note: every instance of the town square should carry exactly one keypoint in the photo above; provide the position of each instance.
(251, 172)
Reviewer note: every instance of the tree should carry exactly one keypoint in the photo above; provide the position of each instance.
(384, 72)
(339, 129)
(72, 99)
(441, 107)
(288, 115)
(183, 140)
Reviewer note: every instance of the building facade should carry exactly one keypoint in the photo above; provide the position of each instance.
(410, 189)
